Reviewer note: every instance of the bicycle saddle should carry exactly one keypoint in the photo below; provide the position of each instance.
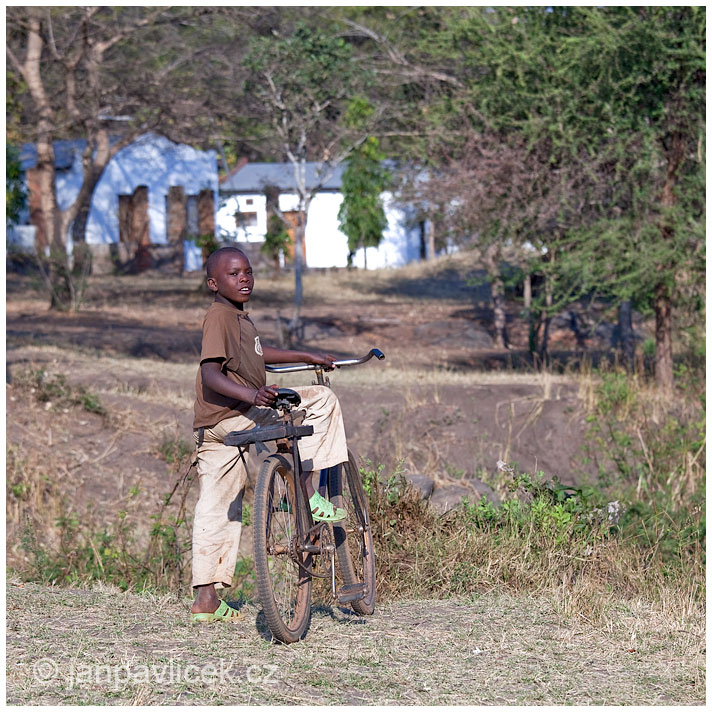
(287, 398)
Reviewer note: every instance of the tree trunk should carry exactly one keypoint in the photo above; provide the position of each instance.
(430, 237)
(56, 268)
(491, 262)
(529, 315)
(663, 339)
(545, 321)
(663, 302)
(527, 292)
(298, 261)
(299, 230)
(45, 171)
(79, 226)
(626, 337)
(500, 315)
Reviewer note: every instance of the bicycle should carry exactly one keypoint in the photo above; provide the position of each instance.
(290, 549)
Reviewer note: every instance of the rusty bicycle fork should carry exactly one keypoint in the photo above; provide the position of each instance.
(310, 541)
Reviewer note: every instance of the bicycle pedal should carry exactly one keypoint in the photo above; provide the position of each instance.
(351, 592)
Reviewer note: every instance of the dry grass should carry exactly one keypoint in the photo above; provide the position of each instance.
(586, 570)
(527, 621)
(443, 279)
(101, 646)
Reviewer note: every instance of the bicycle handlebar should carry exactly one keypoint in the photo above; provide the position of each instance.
(338, 364)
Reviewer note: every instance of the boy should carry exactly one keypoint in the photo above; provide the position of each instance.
(231, 394)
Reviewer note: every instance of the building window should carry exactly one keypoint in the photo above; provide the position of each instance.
(245, 219)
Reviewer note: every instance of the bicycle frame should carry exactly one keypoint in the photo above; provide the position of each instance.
(304, 538)
(296, 460)
(292, 550)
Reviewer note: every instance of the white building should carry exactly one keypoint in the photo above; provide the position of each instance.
(155, 193)
(133, 200)
(242, 217)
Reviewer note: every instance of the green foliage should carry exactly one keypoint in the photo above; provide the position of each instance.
(361, 215)
(548, 508)
(207, 243)
(244, 579)
(392, 488)
(648, 347)
(543, 534)
(77, 550)
(173, 448)
(358, 111)
(587, 127)
(246, 514)
(370, 476)
(57, 394)
(304, 80)
(656, 462)
(15, 196)
(277, 239)
(91, 403)
(657, 455)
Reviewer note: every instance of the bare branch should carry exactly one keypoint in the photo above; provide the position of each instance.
(15, 62)
(52, 43)
(399, 59)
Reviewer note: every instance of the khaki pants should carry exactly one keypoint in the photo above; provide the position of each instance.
(221, 477)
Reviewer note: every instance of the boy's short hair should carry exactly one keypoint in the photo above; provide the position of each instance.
(215, 257)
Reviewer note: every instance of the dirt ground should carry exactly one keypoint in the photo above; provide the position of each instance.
(433, 408)
(444, 404)
(102, 647)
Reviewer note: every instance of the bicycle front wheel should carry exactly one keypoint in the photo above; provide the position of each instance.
(283, 582)
(352, 536)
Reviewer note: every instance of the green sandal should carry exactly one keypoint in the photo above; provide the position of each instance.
(324, 511)
(223, 613)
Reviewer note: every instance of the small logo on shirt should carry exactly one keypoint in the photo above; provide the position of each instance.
(258, 346)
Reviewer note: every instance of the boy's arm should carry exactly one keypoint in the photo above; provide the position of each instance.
(272, 355)
(217, 381)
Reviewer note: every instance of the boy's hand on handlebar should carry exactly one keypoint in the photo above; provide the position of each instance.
(321, 359)
(266, 395)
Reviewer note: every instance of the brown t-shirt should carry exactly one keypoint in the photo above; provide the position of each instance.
(230, 336)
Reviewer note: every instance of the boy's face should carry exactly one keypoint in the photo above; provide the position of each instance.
(232, 279)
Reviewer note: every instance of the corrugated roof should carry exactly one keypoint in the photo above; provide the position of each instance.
(255, 177)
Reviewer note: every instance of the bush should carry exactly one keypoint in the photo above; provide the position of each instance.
(545, 536)
(57, 394)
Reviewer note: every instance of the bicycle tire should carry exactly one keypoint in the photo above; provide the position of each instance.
(283, 587)
(352, 536)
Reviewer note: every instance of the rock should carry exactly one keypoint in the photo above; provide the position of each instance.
(422, 484)
(484, 490)
(446, 498)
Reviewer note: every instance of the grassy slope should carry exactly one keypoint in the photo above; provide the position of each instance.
(492, 649)
(496, 648)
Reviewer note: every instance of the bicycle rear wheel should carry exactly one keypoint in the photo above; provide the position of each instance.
(352, 536)
(283, 586)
